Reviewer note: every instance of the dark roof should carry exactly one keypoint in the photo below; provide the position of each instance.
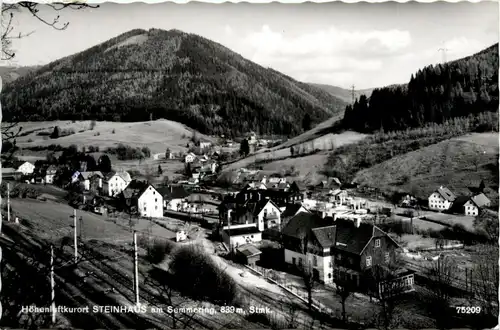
(459, 203)
(446, 194)
(255, 207)
(291, 210)
(248, 250)
(325, 236)
(350, 238)
(302, 223)
(135, 189)
(242, 231)
(481, 200)
(173, 192)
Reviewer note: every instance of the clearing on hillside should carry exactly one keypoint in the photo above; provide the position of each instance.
(157, 135)
(457, 163)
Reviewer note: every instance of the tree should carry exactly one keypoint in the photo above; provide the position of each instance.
(310, 282)
(167, 153)
(292, 151)
(344, 287)
(306, 122)
(92, 124)
(442, 274)
(104, 164)
(160, 171)
(56, 133)
(485, 278)
(244, 148)
(11, 130)
(188, 170)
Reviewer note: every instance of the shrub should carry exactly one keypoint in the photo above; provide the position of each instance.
(196, 275)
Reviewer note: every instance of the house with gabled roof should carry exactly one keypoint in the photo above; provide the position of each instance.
(189, 158)
(115, 182)
(26, 168)
(50, 173)
(264, 213)
(88, 180)
(468, 205)
(144, 198)
(441, 199)
(290, 211)
(173, 197)
(341, 248)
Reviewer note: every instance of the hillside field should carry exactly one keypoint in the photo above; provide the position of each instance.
(156, 135)
(450, 163)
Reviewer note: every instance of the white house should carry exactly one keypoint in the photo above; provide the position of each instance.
(143, 196)
(237, 236)
(204, 145)
(189, 158)
(115, 182)
(441, 199)
(264, 213)
(50, 174)
(26, 168)
(470, 205)
(174, 197)
(86, 178)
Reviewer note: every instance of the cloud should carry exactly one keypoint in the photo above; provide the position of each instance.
(323, 54)
(228, 30)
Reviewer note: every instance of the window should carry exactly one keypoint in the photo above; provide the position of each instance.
(368, 261)
(330, 264)
(156, 200)
(156, 207)
(315, 261)
(329, 275)
(387, 257)
(144, 208)
(377, 242)
(294, 261)
(251, 236)
(300, 261)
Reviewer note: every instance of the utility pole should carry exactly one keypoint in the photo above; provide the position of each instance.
(52, 285)
(136, 271)
(75, 236)
(8, 202)
(353, 93)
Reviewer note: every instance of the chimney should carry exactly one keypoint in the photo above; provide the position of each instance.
(323, 214)
(357, 222)
(229, 216)
(258, 195)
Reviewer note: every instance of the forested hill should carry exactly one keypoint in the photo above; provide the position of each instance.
(434, 94)
(143, 75)
(11, 73)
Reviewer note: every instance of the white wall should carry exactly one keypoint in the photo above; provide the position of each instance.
(323, 266)
(26, 168)
(150, 204)
(115, 185)
(289, 255)
(437, 202)
(271, 210)
(470, 209)
(239, 240)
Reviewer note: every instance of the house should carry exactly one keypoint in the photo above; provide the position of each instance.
(295, 233)
(236, 236)
(470, 205)
(441, 199)
(248, 255)
(264, 214)
(205, 145)
(330, 184)
(169, 155)
(26, 168)
(408, 201)
(290, 211)
(252, 138)
(173, 197)
(115, 182)
(348, 250)
(90, 180)
(280, 197)
(189, 158)
(143, 197)
(50, 173)
(180, 236)
(338, 197)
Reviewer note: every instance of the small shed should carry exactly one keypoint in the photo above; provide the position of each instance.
(248, 254)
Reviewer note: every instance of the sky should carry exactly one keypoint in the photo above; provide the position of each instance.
(341, 44)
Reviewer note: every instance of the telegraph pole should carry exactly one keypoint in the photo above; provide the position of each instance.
(52, 285)
(136, 271)
(8, 202)
(75, 236)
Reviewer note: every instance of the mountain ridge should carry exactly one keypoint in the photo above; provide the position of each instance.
(197, 82)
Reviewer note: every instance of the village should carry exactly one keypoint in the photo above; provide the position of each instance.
(333, 232)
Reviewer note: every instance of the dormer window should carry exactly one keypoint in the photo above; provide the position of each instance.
(377, 242)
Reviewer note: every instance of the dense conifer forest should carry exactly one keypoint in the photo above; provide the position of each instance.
(144, 75)
(434, 94)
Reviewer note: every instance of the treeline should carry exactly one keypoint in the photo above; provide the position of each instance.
(434, 94)
(345, 161)
(196, 82)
